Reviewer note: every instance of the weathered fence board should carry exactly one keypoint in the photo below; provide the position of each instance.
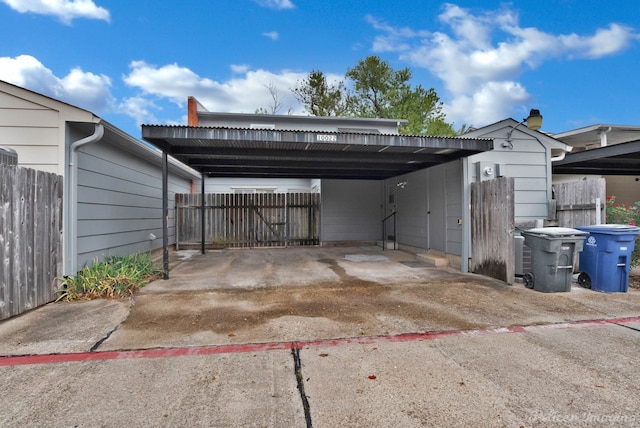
(249, 220)
(30, 238)
(492, 228)
(576, 202)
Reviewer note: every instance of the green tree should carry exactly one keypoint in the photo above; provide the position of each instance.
(381, 91)
(377, 91)
(321, 98)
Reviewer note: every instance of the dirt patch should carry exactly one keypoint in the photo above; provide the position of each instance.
(258, 296)
(353, 306)
(634, 279)
(353, 302)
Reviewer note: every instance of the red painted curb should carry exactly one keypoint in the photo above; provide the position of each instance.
(20, 360)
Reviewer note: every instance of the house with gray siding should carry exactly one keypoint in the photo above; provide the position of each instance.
(112, 181)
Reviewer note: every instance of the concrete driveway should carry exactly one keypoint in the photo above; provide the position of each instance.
(325, 337)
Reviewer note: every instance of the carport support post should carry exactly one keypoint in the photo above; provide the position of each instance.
(165, 215)
(202, 207)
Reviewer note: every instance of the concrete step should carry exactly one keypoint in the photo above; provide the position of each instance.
(389, 245)
(434, 258)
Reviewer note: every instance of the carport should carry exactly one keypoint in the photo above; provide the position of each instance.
(617, 159)
(261, 153)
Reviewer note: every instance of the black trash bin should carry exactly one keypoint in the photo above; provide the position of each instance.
(553, 251)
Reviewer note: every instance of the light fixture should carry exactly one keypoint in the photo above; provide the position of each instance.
(534, 122)
(402, 184)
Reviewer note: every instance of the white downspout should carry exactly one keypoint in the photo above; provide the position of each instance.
(72, 197)
(603, 136)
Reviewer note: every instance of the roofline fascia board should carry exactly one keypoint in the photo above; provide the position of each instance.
(156, 134)
(602, 152)
(597, 127)
(175, 165)
(202, 112)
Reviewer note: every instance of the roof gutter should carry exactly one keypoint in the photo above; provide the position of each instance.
(72, 207)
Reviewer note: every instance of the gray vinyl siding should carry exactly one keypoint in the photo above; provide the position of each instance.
(412, 206)
(453, 173)
(529, 168)
(120, 203)
(351, 210)
(429, 208)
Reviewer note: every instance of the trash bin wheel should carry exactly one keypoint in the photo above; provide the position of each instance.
(528, 280)
(584, 280)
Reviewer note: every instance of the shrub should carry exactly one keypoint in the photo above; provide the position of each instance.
(625, 213)
(114, 277)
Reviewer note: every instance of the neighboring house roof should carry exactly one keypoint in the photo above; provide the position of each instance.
(73, 113)
(598, 136)
(616, 159)
(601, 150)
(198, 115)
(275, 153)
(84, 120)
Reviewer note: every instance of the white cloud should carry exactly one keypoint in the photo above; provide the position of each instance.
(65, 10)
(480, 73)
(239, 68)
(140, 109)
(79, 88)
(276, 4)
(488, 103)
(245, 92)
(273, 35)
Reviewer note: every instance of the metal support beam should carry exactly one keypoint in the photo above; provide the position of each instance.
(165, 215)
(202, 217)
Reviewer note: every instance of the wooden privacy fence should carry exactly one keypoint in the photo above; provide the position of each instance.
(492, 228)
(30, 238)
(249, 220)
(580, 203)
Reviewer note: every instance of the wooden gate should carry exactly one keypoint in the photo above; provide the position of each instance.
(492, 228)
(580, 203)
(249, 220)
(30, 238)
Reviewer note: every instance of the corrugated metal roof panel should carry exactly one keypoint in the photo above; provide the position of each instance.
(282, 153)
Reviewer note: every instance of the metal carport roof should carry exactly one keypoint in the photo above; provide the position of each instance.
(617, 159)
(259, 153)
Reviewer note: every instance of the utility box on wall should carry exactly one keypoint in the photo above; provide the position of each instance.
(8, 156)
(487, 170)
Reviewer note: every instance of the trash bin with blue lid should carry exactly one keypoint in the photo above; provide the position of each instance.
(606, 259)
(553, 252)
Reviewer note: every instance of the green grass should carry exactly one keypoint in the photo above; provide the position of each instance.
(114, 277)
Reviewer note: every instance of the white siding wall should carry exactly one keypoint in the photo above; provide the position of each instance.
(120, 203)
(33, 131)
(351, 210)
(231, 185)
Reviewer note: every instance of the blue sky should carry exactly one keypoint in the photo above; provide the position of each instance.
(136, 61)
